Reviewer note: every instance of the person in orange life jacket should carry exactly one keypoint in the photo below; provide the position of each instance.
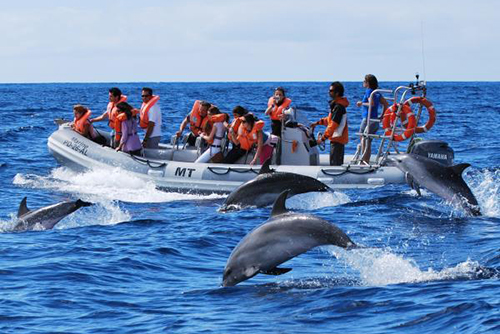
(115, 96)
(213, 133)
(249, 134)
(336, 124)
(275, 106)
(129, 140)
(196, 119)
(238, 113)
(150, 118)
(82, 125)
(370, 83)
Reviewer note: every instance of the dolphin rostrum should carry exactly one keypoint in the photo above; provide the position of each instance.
(281, 238)
(266, 187)
(444, 181)
(46, 217)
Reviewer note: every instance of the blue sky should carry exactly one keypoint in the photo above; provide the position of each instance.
(268, 40)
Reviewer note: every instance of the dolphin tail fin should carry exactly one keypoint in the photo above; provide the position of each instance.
(276, 271)
(23, 208)
(79, 203)
(459, 169)
(265, 167)
(279, 204)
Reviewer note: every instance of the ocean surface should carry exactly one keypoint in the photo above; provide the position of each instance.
(146, 261)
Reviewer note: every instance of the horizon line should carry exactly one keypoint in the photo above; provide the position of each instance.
(242, 81)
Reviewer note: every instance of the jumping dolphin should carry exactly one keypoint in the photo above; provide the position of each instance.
(266, 187)
(46, 217)
(281, 238)
(444, 181)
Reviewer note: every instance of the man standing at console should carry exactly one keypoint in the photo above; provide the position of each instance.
(150, 118)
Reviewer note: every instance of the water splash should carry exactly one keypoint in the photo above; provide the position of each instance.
(317, 200)
(379, 267)
(485, 185)
(104, 184)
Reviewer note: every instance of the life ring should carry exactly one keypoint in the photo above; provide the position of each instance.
(430, 109)
(390, 118)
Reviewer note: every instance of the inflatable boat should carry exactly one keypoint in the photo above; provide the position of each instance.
(172, 166)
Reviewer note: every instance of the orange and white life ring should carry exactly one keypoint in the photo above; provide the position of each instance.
(390, 118)
(430, 109)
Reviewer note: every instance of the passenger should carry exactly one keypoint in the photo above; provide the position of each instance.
(275, 106)
(197, 119)
(216, 129)
(370, 83)
(115, 96)
(129, 141)
(82, 125)
(150, 118)
(238, 113)
(336, 124)
(249, 135)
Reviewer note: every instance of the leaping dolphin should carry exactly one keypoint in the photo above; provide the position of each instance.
(444, 181)
(281, 238)
(46, 217)
(267, 186)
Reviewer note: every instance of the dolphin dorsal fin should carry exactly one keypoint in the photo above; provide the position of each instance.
(279, 204)
(23, 209)
(459, 169)
(265, 167)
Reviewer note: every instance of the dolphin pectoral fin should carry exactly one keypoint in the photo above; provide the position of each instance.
(411, 182)
(23, 208)
(459, 169)
(265, 167)
(276, 271)
(279, 204)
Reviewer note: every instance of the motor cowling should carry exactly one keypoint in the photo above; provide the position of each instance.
(437, 150)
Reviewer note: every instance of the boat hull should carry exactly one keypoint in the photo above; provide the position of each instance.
(181, 174)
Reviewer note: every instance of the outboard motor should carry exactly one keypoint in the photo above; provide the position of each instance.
(434, 149)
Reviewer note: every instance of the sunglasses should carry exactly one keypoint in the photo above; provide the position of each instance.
(145, 95)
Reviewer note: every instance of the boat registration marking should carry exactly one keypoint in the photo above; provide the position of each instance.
(77, 145)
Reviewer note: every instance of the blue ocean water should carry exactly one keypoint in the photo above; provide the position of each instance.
(146, 261)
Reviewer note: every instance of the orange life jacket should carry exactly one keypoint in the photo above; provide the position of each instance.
(119, 119)
(337, 133)
(113, 112)
(278, 110)
(82, 124)
(196, 122)
(235, 125)
(144, 120)
(247, 138)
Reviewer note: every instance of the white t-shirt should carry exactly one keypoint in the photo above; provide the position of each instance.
(154, 115)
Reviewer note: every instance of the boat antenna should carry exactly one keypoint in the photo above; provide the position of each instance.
(423, 53)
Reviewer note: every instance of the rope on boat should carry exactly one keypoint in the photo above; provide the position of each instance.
(146, 161)
(229, 169)
(348, 170)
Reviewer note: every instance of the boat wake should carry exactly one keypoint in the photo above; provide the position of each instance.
(104, 185)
